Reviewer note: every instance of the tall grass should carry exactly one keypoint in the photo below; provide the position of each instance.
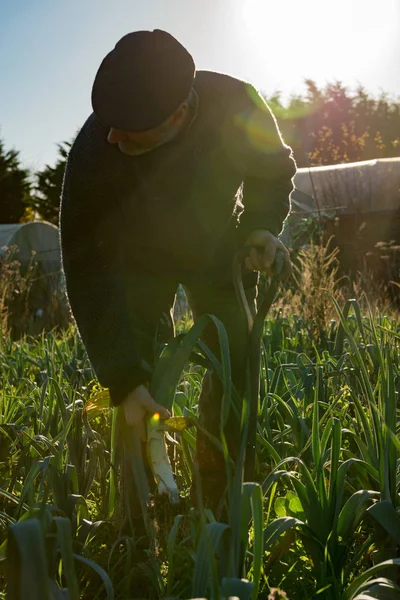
(31, 297)
(321, 520)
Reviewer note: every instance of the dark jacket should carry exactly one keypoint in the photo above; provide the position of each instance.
(174, 209)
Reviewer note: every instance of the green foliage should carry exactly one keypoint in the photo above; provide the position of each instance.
(322, 518)
(47, 196)
(14, 186)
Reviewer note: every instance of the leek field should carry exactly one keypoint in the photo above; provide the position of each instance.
(321, 520)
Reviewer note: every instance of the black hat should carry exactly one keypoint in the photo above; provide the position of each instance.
(142, 81)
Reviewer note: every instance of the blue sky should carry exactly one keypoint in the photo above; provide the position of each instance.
(50, 51)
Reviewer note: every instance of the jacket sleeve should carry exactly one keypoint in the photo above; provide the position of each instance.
(268, 166)
(95, 282)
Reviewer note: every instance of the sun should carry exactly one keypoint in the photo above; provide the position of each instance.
(294, 38)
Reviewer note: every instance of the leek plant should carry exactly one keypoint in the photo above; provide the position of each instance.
(320, 520)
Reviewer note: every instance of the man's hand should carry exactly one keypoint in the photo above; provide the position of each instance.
(138, 405)
(264, 247)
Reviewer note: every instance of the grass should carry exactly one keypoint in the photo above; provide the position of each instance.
(321, 521)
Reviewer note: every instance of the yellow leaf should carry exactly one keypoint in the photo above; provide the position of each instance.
(99, 401)
(178, 423)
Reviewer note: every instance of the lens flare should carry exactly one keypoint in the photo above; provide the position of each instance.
(155, 419)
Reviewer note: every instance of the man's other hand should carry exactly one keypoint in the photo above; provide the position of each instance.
(263, 248)
(138, 405)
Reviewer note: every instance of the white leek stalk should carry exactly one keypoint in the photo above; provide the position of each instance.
(159, 460)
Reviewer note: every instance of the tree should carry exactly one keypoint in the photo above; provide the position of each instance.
(46, 200)
(14, 186)
(331, 125)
